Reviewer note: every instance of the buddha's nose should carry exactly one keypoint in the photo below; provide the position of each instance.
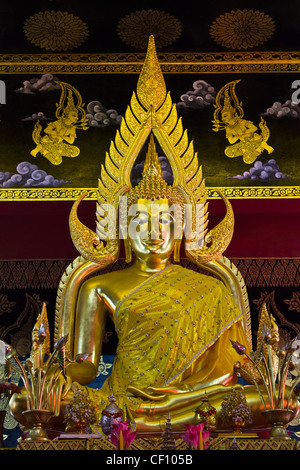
(154, 229)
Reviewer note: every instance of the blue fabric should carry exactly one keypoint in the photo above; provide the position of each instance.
(104, 371)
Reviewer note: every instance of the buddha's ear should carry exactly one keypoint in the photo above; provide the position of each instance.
(176, 251)
(128, 251)
(178, 232)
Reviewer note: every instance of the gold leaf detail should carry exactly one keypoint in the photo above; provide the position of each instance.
(111, 169)
(151, 87)
(125, 132)
(120, 144)
(177, 132)
(83, 239)
(171, 120)
(191, 170)
(217, 239)
(185, 149)
(103, 193)
(115, 155)
(196, 184)
(131, 121)
(137, 109)
(107, 180)
(165, 109)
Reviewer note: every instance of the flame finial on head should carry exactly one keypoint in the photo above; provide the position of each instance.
(152, 165)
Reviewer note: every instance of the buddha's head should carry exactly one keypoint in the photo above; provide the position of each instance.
(151, 221)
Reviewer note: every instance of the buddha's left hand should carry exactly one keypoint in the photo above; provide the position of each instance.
(158, 393)
(143, 394)
(175, 390)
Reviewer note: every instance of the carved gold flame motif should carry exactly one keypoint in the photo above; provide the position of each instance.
(151, 112)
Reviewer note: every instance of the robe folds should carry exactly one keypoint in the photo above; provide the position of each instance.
(175, 328)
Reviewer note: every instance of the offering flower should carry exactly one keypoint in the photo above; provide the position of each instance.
(196, 437)
(235, 410)
(35, 372)
(122, 436)
(265, 368)
(80, 413)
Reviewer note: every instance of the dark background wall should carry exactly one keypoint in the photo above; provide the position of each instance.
(264, 228)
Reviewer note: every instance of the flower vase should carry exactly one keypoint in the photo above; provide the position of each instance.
(279, 420)
(76, 428)
(238, 426)
(36, 421)
(206, 414)
(81, 428)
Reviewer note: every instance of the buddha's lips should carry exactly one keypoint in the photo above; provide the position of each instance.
(153, 243)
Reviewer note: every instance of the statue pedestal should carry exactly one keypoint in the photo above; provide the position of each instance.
(222, 442)
(228, 442)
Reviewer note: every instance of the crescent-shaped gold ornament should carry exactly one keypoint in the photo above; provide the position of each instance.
(150, 114)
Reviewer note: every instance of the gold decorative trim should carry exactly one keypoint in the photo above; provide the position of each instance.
(186, 62)
(243, 443)
(46, 194)
(90, 443)
(170, 57)
(131, 63)
(155, 444)
(67, 194)
(257, 192)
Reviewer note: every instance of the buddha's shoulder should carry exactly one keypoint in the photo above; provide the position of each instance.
(195, 275)
(115, 274)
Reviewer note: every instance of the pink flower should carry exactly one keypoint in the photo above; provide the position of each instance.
(127, 433)
(192, 435)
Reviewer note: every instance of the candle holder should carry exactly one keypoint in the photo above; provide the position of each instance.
(270, 375)
(43, 375)
(278, 419)
(36, 421)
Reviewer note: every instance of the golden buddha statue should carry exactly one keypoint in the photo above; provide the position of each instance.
(174, 325)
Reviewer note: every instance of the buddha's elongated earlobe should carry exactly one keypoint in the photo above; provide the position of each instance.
(176, 251)
(128, 251)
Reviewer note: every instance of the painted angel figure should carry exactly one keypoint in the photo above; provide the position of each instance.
(242, 135)
(60, 135)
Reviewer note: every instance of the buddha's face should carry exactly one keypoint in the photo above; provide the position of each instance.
(151, 228)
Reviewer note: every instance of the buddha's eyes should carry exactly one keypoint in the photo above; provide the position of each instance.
(165, 218)
(140, 218)
(144, 218)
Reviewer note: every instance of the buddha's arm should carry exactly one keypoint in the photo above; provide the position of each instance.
(91, 314)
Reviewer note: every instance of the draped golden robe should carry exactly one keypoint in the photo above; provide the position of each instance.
(175, 328)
